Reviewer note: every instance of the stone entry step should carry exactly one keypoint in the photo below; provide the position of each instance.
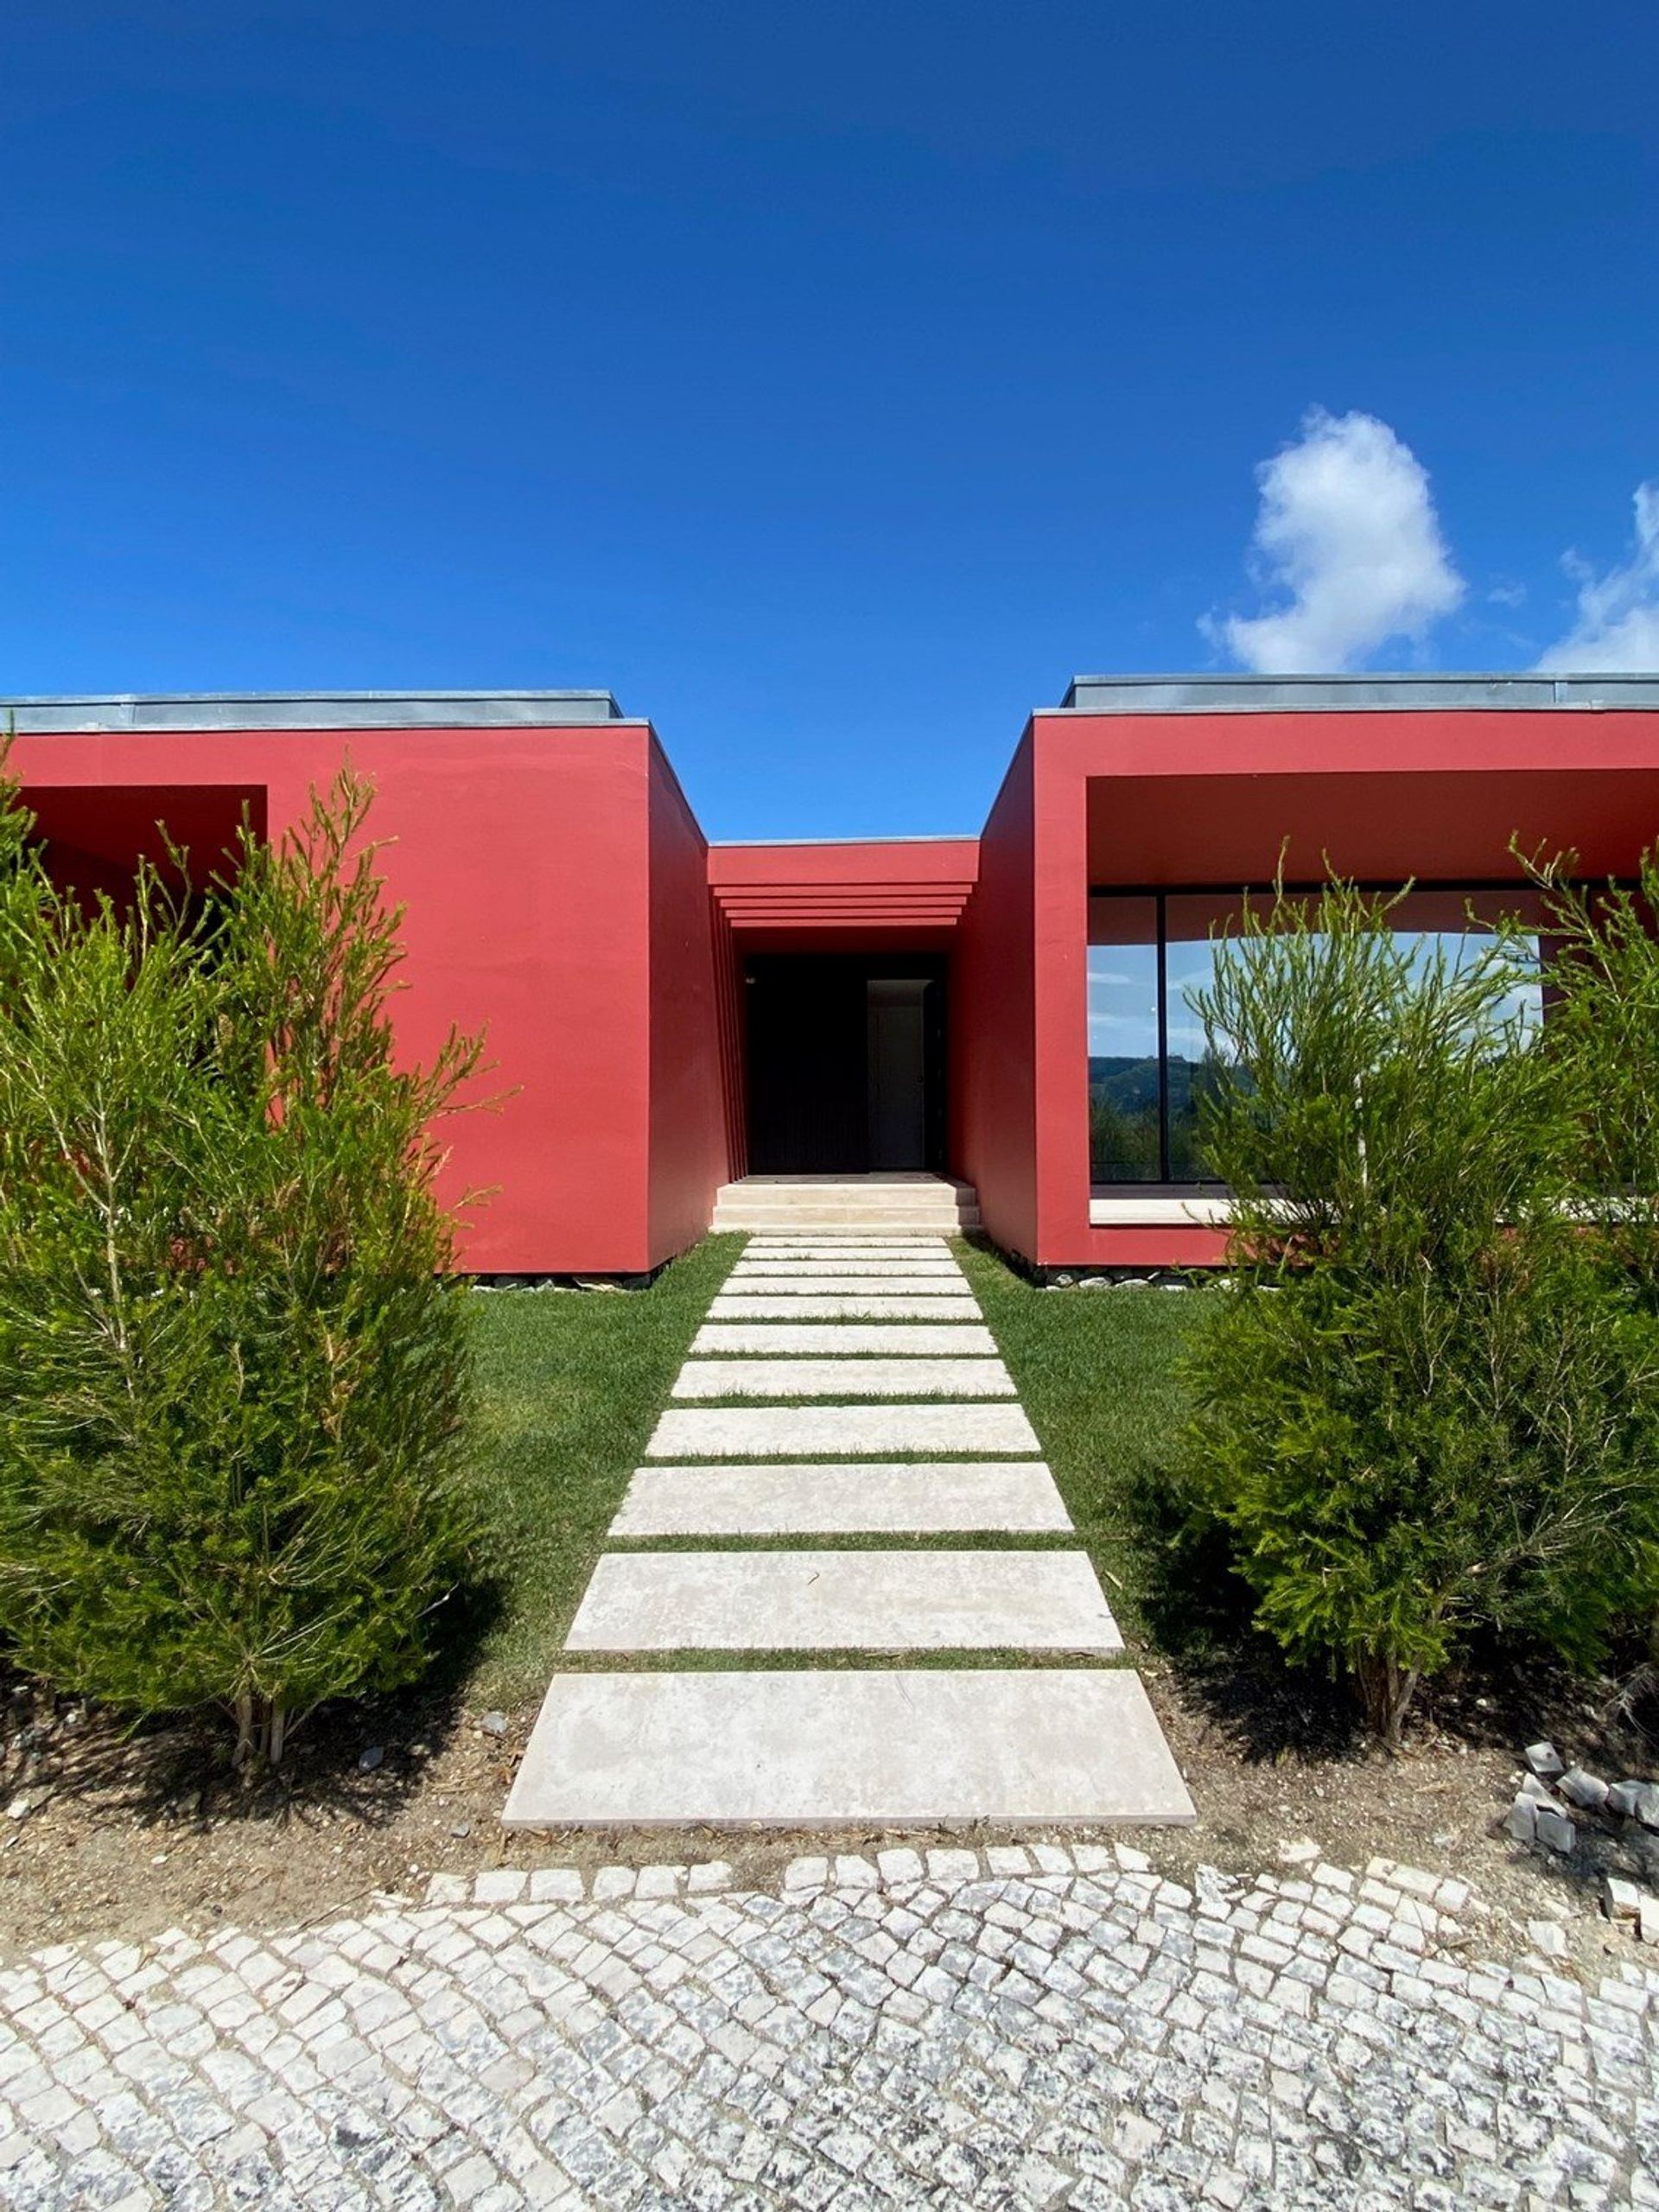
(844, 1601)
(843, 1431)
(809, 1205)
(872, 1305)
(946, 1283)
(860, 1264)
(832, 1222)
(847, 1339)
(917, 1254)
(803, 1500)
(841, 1248)
(899, 1747)
(929, 1260)
(837, 1378)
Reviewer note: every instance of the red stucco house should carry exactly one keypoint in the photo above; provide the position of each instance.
(1008, 1010)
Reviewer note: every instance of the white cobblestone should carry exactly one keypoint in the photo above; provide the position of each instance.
(1028, 2027)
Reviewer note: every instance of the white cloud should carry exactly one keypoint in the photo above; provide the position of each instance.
(1348, 528)
(1617, 626)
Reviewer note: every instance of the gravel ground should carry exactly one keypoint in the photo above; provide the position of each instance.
(1012, 2028)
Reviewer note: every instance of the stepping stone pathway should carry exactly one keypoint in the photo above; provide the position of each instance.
(840, 1601)
(887, 1413)
(841, 1378)
(820, 1498)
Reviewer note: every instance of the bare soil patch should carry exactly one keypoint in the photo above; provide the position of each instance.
(125, 1835)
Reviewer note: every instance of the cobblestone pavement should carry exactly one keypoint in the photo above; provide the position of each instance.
(1016, 2029)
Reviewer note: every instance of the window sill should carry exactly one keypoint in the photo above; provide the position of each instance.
(1122, 1206)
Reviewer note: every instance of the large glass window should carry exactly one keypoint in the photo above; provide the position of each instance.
(1151, 953)
(1125, 1062)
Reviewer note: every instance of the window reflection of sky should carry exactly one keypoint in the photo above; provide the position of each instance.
(1144, 1114)
(1123, 991)
(1122, 1000)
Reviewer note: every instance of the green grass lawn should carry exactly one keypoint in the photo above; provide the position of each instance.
(572, 1382)
(1096, 1371)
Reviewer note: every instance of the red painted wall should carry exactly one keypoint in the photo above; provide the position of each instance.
(1174, 1246)
(734, 1042)
(689, 1157)
(993, 1019)
(874, 894)
(1207, 799)
(559, 892)
(523, 857)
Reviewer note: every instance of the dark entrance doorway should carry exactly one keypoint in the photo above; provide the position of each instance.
(845, 1055)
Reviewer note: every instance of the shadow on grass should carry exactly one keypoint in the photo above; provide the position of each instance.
(1498, 1695)
(1197, 1613)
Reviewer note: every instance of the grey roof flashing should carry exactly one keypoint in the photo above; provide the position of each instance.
(1209, 694)
(257, 710)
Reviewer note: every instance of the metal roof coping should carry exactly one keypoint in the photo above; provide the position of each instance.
(37, 716)
(1246, 693)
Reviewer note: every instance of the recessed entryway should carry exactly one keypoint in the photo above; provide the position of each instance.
(846, 1062)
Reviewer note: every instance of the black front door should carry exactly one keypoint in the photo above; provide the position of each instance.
(828, 1039)
(807, 1080)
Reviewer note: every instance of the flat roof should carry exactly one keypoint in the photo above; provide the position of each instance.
(1209, 694)
(188, 710)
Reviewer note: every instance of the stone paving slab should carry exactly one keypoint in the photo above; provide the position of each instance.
(856, 1263)
(844, 1601)
(847, 1339)
(945, 1282)
(815, 1255)
(849, 1263)
(844, 1378)
(1020, 1499)
(893, 1747)
(841, 1432)
(872, 1305)
(784, 1248)
(1019, 2030)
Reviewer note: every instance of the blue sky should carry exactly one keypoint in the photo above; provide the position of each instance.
(833, 382)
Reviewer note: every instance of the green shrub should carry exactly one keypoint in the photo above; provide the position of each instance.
(237, 1385)
(1431, 1403)
(1603, 1036)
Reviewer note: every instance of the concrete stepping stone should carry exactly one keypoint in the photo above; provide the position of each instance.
(942, 1285)
(853, 1747)
(856, 1264)
(844, 1250)
(848, 1339)
(869, 1306)
(782, 1247)
(841, 1432)
(842, 1601)
(826, 1500)
(887, 1256)
(844, 1378)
